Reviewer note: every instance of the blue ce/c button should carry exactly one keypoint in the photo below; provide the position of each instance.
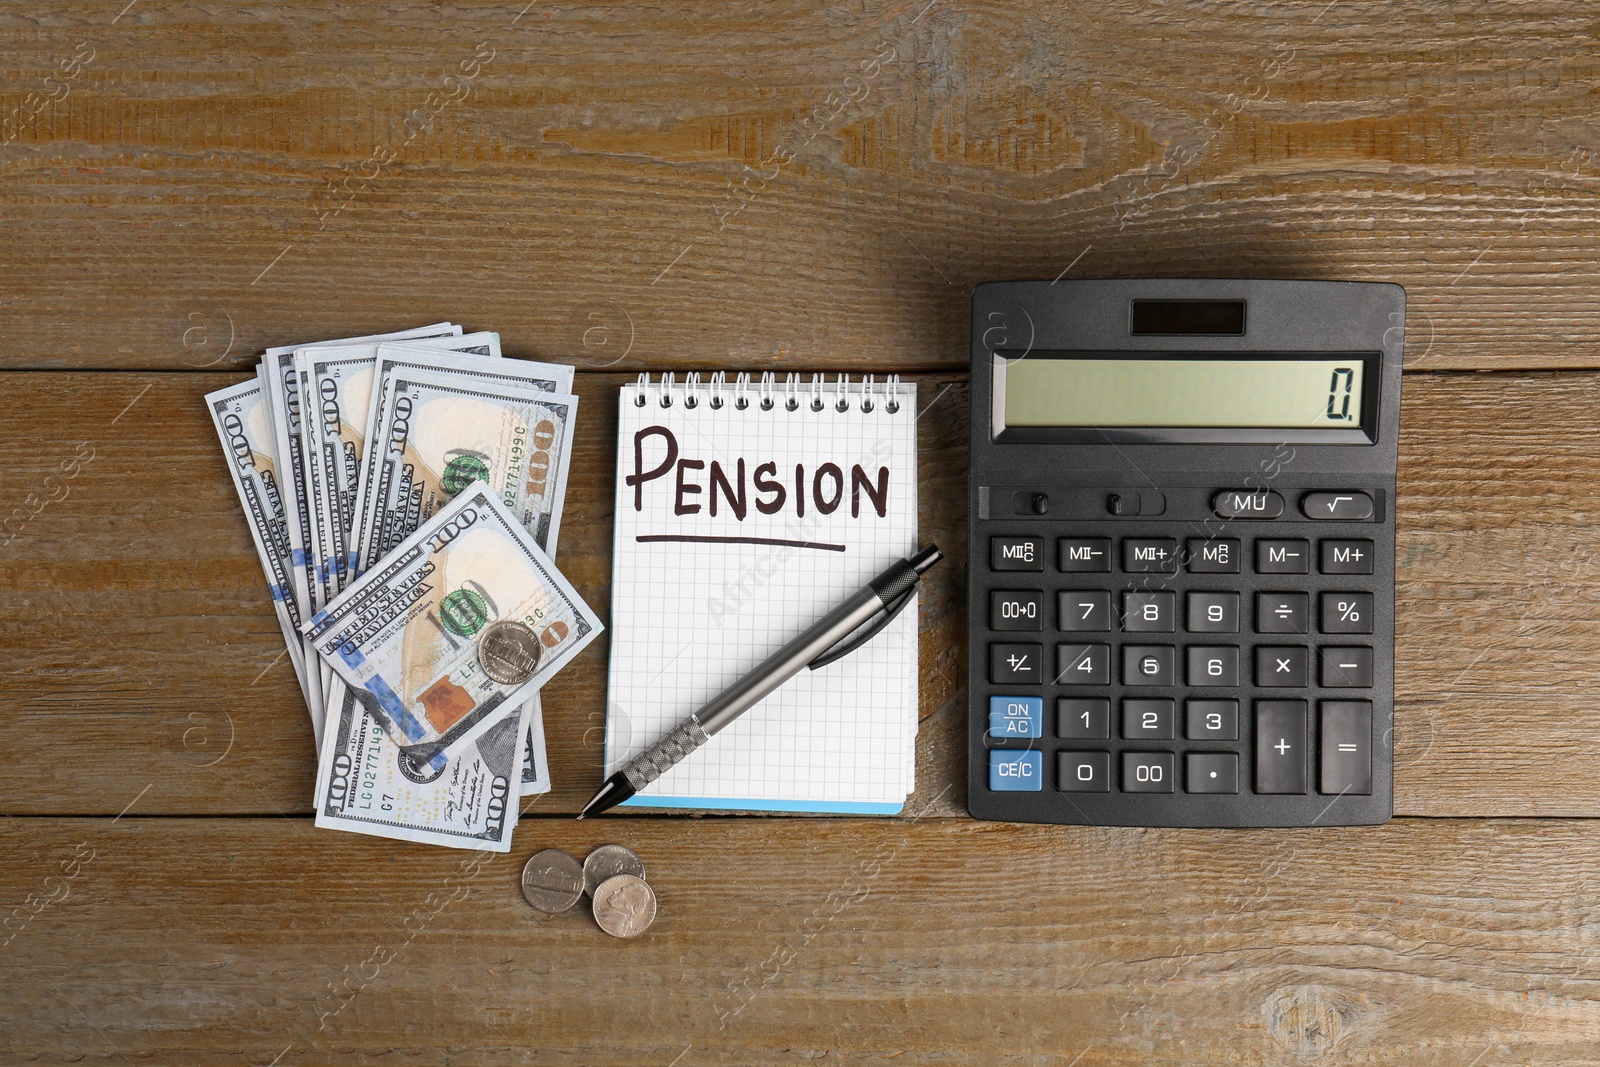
(1016, 716)
(1013, 772)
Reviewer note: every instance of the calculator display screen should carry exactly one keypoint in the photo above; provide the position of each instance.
(1095, 390)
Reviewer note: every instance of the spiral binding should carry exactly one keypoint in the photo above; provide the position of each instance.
(869, 393)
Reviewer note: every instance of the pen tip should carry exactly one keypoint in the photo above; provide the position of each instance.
(925, 559)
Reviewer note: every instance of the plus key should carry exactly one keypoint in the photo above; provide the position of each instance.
(1280, 746)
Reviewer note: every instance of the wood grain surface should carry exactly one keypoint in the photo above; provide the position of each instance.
(937, 942)
(691, 183)
(789, 186)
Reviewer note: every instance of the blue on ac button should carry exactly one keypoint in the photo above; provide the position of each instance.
(1016, 771)
(1016, 716)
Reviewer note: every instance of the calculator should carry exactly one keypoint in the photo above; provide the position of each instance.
(1181, 552)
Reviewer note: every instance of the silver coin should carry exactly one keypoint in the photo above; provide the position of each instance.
(608, 861)
(624, 905)
(552, 881)
(509, 653)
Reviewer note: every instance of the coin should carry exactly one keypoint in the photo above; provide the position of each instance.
(607, 861)
(624, 905)
(552, 881)
(508, 653)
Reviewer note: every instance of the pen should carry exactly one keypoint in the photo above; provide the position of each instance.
(886, 595)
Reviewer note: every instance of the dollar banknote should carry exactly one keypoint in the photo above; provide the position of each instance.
(378, 525)
(437, 432)
(535, 776)
(284, 395)
(241, 416)
(464, 620)
(367, 784)
(338, 386)
(458, 427)
(535, 765)
(461, 422)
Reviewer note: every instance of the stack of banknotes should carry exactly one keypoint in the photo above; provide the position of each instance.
(404, 492)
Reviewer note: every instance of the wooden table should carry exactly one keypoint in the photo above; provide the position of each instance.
(686, 185)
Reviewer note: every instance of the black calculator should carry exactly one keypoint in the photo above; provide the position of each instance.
(1181, 561)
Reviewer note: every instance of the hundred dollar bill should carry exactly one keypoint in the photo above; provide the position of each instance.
(463, 621)
(283, 393)
(338, 386)
(535, 764)
(240, 414)
(437, 432)
(373, 532)
(311, 669)
(456, 419)
(366, 783)
(535, 775)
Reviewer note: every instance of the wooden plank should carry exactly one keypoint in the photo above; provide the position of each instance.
(690, 184)
(190, 942)
(142, 639)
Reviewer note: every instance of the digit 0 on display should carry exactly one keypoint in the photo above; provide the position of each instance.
(1339, 393)
(1193, 482)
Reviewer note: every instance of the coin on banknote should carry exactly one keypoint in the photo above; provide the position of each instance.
(624, 905)
(552, 881)
(509, 653)
(608, 861)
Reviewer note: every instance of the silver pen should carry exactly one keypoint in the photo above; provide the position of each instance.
(826, 641)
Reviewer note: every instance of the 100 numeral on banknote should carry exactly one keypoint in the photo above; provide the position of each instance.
(465, 619)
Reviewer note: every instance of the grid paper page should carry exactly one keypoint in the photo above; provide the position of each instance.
(688, 617)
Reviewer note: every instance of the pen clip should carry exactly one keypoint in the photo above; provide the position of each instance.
(849, 643)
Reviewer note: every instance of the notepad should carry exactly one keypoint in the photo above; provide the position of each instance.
(746, 510)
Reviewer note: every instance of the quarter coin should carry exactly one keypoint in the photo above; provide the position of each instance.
(608, 861)
(552, 881)
(509, 653)
(624, 905)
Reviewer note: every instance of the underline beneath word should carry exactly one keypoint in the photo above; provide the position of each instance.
(703, 539)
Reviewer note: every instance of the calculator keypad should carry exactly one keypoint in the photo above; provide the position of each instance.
(1021, 609)
(1211, 772)
(1211, 720)
(1147, 772)
(1087, 718)
(1150, 613)
(1149, 555)
(1280, 746)
(1148, 720)
(1213, 555)
(1084, 555)
(1207, 666)
(1282, 666)
(1083, 664)
(1279, 555)
(1084, 611)
(1084, 772)
(1213, 613)
(1015, 663)
(1283, 613)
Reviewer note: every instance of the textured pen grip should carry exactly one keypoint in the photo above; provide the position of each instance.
(656, 760)
(892, 583)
